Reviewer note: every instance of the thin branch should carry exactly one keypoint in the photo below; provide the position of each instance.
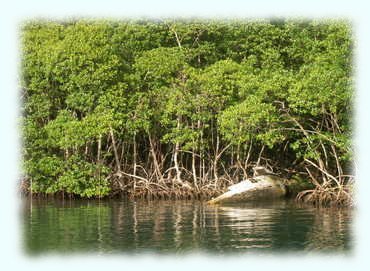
(323, 171)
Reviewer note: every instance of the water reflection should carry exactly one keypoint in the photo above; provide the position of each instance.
(327, 228)
(175, 227)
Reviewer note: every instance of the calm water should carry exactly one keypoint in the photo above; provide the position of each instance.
(182, 226)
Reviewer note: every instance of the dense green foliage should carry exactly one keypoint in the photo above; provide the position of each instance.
(144, 106)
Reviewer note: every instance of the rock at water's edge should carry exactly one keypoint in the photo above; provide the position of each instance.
(260, 187)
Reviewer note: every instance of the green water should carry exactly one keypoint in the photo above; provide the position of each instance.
(169, 227)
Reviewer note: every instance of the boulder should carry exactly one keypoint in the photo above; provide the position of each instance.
(256, 188)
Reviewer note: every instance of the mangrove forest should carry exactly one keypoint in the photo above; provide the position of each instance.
(182, 109)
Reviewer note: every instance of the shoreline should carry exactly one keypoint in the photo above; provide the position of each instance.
(189, 194)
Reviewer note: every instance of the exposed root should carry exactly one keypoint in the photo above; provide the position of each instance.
(137, 187)
(331, 196)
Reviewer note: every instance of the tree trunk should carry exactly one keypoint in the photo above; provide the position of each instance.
(178, 172)
(116, 157)
(155, 161)
(193, 162)
(215, 161)
(135, 160)
(260, 155)
(135, 153)
(200, 152)
(99, 149)
(176, 152)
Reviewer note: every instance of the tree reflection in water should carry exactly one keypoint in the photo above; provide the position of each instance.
(327, 230)
(182, 226)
